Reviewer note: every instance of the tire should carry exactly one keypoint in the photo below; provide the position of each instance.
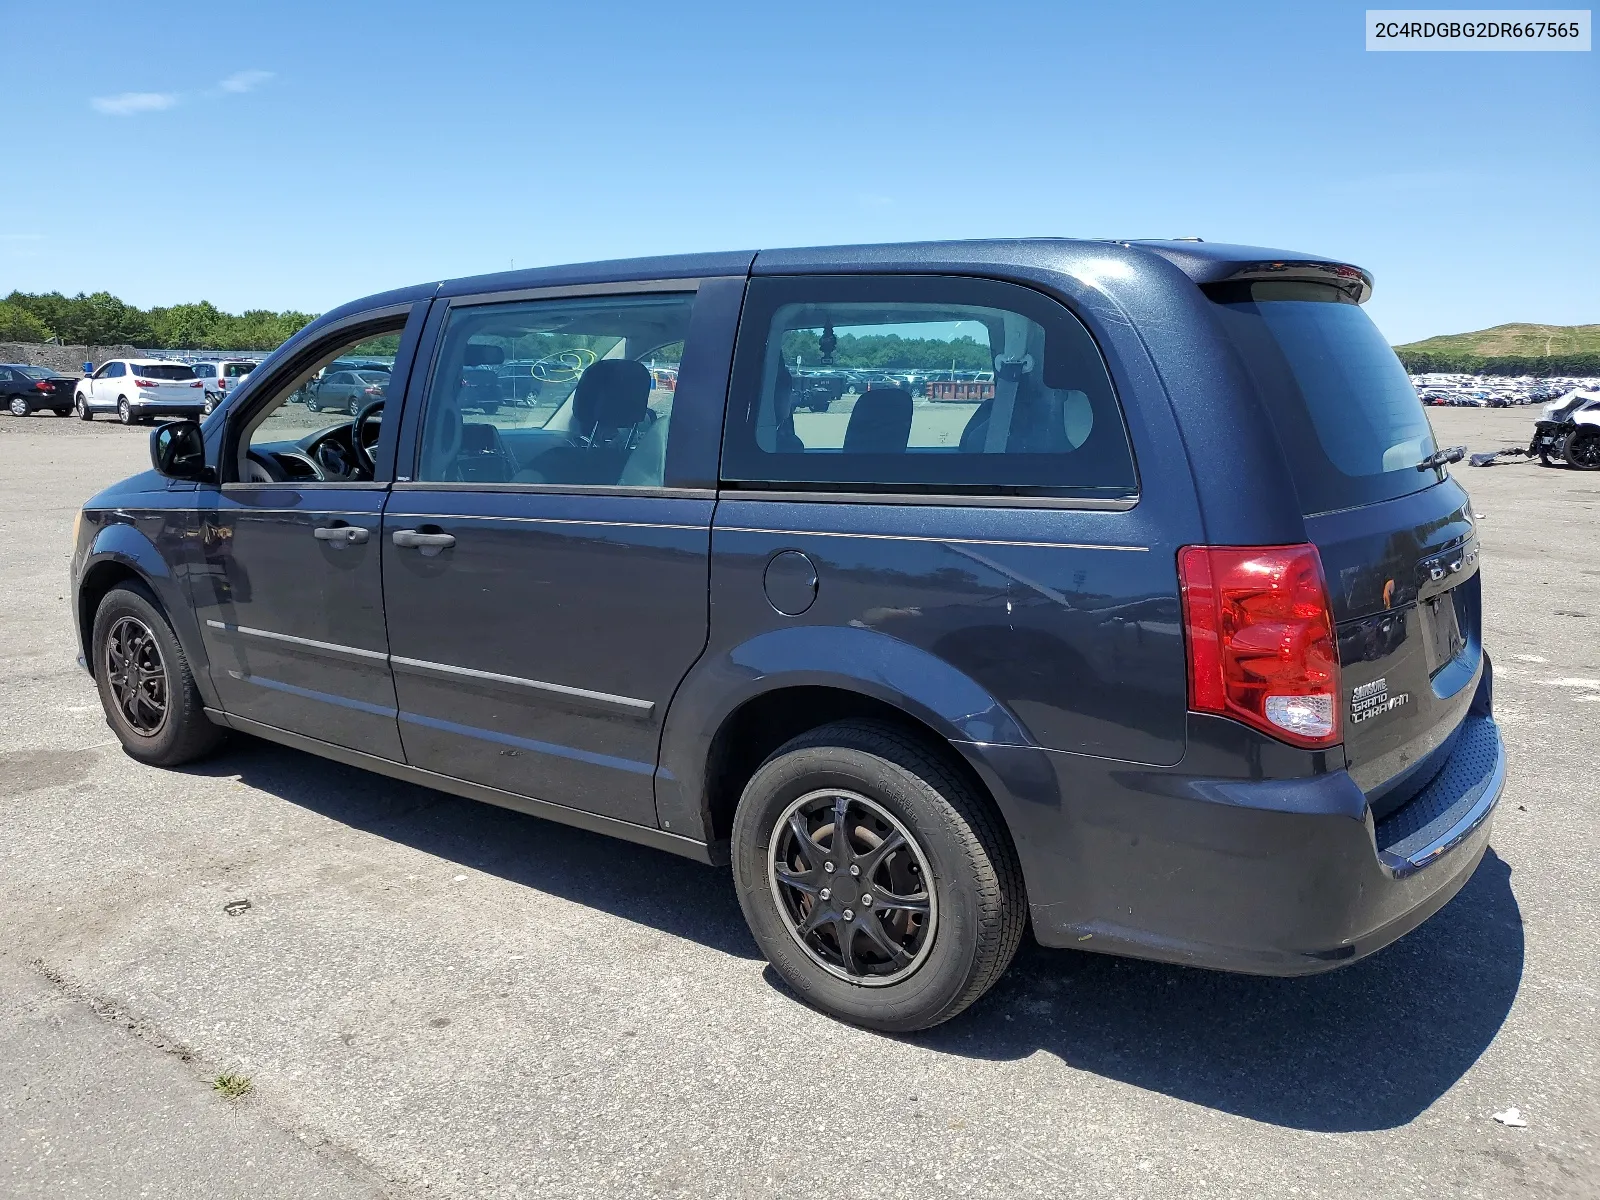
(80, 405)
(62, 412)
(209, 406)
(183, 732)
(1582, 449)
(124, 410)
(490, 409)
(972, 916)
(355, 407)
(18, 407)
(312, 405)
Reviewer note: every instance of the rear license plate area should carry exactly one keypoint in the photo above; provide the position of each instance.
(1441, 630)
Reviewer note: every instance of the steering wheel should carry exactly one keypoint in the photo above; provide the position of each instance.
(358, 440)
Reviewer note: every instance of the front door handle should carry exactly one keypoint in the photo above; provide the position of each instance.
(341, 535)
(429, 543)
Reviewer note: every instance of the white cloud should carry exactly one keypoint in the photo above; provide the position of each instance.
(245, 81)
(128, 103)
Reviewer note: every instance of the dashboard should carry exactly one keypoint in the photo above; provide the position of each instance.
(329, 455)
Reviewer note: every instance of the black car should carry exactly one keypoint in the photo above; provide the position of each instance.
(25, 389)
(1167, 641)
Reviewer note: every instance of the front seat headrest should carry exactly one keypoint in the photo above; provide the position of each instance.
(478, 355)
(613, 393)
(880, 423)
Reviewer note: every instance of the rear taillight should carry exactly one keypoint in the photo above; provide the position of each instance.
(198, 383)
(1261, 645)
(149, 383)
(42, 386)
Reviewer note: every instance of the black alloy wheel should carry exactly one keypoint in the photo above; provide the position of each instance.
(1582, 450)
(136, 675)
(850, 884)
(147, 690)
(877, 877)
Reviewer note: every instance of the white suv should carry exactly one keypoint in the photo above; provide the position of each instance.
(221, 377)
(137, 388)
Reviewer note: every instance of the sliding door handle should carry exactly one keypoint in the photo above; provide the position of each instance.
(341, 535)
(429, 543)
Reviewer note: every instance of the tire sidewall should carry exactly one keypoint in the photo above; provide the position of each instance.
(124, 411)
(18, 402)
(943, 976)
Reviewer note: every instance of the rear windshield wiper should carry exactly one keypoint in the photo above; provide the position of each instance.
(1440, 459)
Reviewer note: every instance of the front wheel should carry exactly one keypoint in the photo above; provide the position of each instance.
(80, 405)
(146, 688)
(878, 882)
(18, 406)
(1582, 450)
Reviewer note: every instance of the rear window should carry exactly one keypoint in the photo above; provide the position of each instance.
(38, 373)
(1344, 410)
(165, 371)
(235, 370)
(921, 384)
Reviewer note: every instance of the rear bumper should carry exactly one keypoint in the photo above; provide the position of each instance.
(1287, 877)
(182, 408)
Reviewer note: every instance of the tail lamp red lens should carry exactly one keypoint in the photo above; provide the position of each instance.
(148, 383)
(1259, 632)
(41, 386)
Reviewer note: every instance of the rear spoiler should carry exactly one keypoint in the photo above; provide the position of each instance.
(1213, 262)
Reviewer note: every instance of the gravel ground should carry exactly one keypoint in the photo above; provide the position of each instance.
(433, 997)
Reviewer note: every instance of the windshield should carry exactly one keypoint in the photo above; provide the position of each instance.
(1344, 410)
(164, 371)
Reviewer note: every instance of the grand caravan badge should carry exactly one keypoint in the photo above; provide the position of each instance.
(1370, 700)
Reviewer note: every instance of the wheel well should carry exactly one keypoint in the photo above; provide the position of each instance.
(102, 577)
(759, 726)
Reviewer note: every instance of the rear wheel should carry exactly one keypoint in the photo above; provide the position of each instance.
(124, 410)
(878, 883)
(209, 406)
(1582, 450)
(62, 412)
(355, 406)
(146, 688)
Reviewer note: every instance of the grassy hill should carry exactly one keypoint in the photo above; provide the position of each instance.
(1516, 349)
(1523, 341)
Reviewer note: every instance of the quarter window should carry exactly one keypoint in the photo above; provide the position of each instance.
(921, 384)
(560, 392)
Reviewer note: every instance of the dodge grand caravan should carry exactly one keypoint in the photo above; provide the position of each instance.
(1166, 639)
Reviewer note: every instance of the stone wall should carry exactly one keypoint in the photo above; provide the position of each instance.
(68, 360)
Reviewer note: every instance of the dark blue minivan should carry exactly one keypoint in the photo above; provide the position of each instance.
(1118, 587)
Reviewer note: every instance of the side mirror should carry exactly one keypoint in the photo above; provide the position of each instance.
(178, 451)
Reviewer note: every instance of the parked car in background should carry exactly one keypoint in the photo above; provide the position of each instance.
(346, 391)
(137, 389)
(221, 376)
(1172, 647)
(25, 389)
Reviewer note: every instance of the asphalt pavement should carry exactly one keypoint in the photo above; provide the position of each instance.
(436, 998)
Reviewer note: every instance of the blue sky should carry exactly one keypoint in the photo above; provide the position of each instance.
(297, 155)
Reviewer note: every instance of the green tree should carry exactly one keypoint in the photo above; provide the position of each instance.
(20, 325)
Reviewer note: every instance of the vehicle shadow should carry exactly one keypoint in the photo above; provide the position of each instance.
(1366, 1047)
(651, 887)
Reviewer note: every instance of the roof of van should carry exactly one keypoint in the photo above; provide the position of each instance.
(1203, 262)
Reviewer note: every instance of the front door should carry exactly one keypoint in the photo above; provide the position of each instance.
(286, 579)
(544, 580)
